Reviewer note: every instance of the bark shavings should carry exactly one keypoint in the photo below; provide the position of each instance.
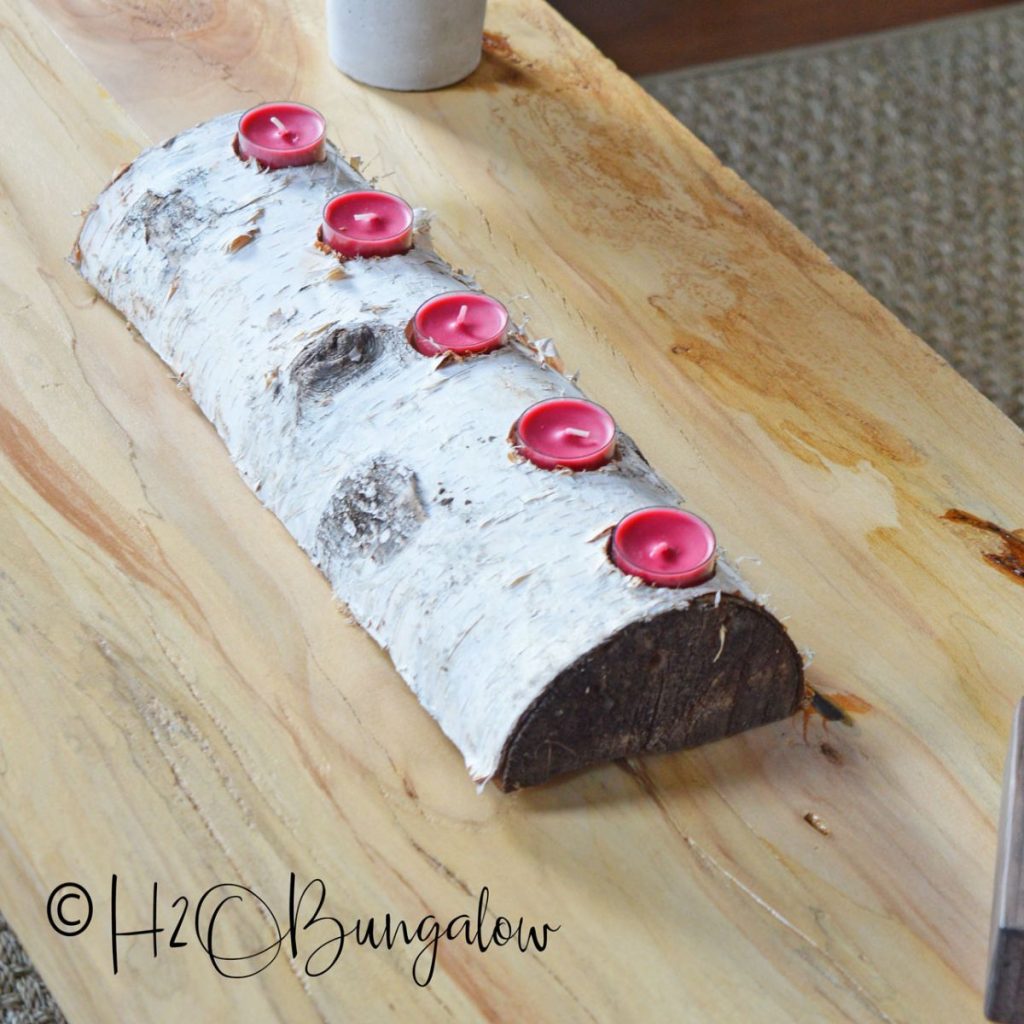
(521, 578)
(240, 241)
(261, 167)
(817, 823)
(830, 753)
(120, 172)
(321, 246)
(333, 359)
(721, 639)
(543, 351)
(373, 513)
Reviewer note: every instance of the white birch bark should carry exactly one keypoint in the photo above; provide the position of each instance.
(480, 575)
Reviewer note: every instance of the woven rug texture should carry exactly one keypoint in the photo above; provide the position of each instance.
(24, 999)
(902, 156)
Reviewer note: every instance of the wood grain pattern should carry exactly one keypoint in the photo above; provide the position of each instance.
(184, 704)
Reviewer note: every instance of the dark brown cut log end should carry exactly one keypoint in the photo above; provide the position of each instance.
(686, 677)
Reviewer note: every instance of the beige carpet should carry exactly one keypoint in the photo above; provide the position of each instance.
(902, 156)
(24, 998)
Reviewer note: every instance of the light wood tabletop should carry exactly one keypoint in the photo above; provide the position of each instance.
(184, 704)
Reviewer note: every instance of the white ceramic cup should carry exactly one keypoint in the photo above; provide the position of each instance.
(406, 44)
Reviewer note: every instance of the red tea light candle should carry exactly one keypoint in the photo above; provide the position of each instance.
(568, 433)
(367, 224)
(282, 135)
(665, 546)
(461, 322)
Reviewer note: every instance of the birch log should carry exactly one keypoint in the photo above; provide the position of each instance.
(486, 578)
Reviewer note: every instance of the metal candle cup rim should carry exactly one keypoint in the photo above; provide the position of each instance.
(630, 567)
(440, 349)
(290, 103)
(383, 240)
(568, 461)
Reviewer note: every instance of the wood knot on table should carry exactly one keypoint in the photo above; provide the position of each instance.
(1009, 561)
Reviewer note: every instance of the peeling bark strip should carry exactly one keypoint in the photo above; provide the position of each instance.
(478, 573)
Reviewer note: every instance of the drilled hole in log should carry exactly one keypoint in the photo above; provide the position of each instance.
(516, 455)
(259, 164)
(410, 336)
(323, 247)
(660, 685)
(447, 355)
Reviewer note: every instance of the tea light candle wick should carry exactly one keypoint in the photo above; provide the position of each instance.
(664, 546)
(565, 433)
(264, 135)
(465, 323)
(367, 223)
